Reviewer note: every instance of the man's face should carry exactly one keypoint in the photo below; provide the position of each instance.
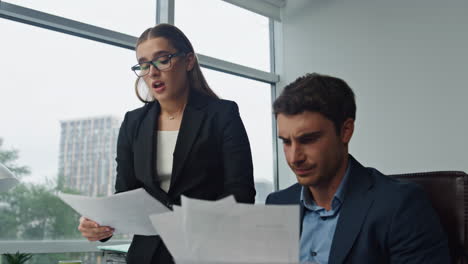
(313, 149)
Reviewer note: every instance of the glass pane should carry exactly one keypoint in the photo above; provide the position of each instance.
(222, 30)
(60, 109)
(129, 17)
(254, 101)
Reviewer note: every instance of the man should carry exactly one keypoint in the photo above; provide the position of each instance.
(349, 213)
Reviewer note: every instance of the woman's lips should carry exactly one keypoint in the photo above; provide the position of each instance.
(159, 87)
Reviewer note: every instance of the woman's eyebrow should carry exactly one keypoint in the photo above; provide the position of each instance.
(154, 56)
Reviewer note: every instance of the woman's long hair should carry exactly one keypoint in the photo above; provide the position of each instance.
(182, 44)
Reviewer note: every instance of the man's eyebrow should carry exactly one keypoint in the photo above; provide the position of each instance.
(311, 134)
(282, 138)
(154, 56)
(314, 134)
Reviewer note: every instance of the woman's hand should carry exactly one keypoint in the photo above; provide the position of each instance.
(93, 231)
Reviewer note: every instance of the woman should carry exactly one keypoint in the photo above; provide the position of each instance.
(184, 140)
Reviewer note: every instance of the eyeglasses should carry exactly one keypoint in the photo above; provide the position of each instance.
(162, 63)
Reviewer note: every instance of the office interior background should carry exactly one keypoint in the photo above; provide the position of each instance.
(66, 85)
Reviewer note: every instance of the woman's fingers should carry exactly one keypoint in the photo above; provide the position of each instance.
(87, 223)
(99, 237)
(93, 231)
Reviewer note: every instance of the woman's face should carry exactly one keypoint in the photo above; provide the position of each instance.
(169, 84)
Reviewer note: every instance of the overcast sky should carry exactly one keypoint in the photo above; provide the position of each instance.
(48, 76)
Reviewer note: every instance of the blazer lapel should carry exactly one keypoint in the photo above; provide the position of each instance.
(191, 122)
(145, 154)
(144, 146)
(357, 202)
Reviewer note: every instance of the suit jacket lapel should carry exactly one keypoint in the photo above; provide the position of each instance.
(144, 146)
(191, 122)
(295, 198)
(145, 154)
(357, 201)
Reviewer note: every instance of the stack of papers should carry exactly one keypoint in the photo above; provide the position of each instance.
(225, 232)
(127, 212)
(201, 232)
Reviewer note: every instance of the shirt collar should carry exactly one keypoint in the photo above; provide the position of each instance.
(339, 194)
(338, 198)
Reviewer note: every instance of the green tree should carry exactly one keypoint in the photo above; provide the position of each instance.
(9, 157)
(33, 211)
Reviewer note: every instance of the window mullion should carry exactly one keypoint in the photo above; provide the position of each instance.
(165, 11)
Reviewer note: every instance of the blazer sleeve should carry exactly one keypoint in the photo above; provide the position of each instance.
(125, 178)
(415, 234)
(237, 158)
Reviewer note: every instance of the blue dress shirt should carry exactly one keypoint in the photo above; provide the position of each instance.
(318, 225)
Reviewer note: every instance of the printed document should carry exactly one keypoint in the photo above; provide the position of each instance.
(127, 212)
(226, 232)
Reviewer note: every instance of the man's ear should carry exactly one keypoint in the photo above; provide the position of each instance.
(190, 59)
(347, 130)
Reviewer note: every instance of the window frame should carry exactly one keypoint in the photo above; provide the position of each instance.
(54, 246)
(164, 14)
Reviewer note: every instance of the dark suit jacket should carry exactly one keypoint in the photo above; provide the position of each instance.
(381, 221)
(212, 159)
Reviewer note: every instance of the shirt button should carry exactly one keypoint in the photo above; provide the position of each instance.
(313, 253)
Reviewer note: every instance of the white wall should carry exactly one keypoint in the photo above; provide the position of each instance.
(407, 61)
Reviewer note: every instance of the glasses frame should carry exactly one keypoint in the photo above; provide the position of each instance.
(155, 60)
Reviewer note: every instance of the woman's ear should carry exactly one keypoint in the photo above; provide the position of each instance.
(190, 59)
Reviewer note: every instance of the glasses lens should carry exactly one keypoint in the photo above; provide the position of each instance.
(142, 69)
(163, 63)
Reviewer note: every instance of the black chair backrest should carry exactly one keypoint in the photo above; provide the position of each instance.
(448, 192)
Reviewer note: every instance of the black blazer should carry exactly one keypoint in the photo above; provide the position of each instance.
(212, 159)
(381, 221)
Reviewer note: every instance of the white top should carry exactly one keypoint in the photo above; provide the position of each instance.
(164, 152)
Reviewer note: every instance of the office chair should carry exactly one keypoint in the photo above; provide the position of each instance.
(448, 192)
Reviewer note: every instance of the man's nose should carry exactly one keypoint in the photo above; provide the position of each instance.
(297, 155)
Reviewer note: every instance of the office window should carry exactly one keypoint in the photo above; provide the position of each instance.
(52, 98)
(63, 98)
(224, 31)
(129, 17)
(254, 101)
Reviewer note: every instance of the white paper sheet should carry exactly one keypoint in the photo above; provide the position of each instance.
(225, 232)
(236, 262)
(127, 212)
(170, 230)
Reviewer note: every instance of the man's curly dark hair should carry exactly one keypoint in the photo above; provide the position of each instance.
(327, 95)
